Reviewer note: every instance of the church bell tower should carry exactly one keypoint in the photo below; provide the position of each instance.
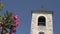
(42, 22)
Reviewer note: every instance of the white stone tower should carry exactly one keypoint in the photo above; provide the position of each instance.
(42, 22)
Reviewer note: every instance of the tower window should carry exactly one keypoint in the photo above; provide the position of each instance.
(41, 21)
(41, 32)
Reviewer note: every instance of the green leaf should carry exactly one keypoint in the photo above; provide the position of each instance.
(4, 29)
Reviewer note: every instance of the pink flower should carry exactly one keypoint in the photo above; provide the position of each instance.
(16, 22)
(5, 18)
(15, 17)
(0, 29)
(13, 29)
(0, 26)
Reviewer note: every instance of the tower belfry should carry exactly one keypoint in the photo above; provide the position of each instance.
(42, 22)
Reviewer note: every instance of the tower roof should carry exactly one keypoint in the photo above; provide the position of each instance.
(42, 11)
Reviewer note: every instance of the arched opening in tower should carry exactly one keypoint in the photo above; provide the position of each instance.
(41, 21)
(41, 32)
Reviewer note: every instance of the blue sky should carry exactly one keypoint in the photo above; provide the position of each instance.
(23, 9)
